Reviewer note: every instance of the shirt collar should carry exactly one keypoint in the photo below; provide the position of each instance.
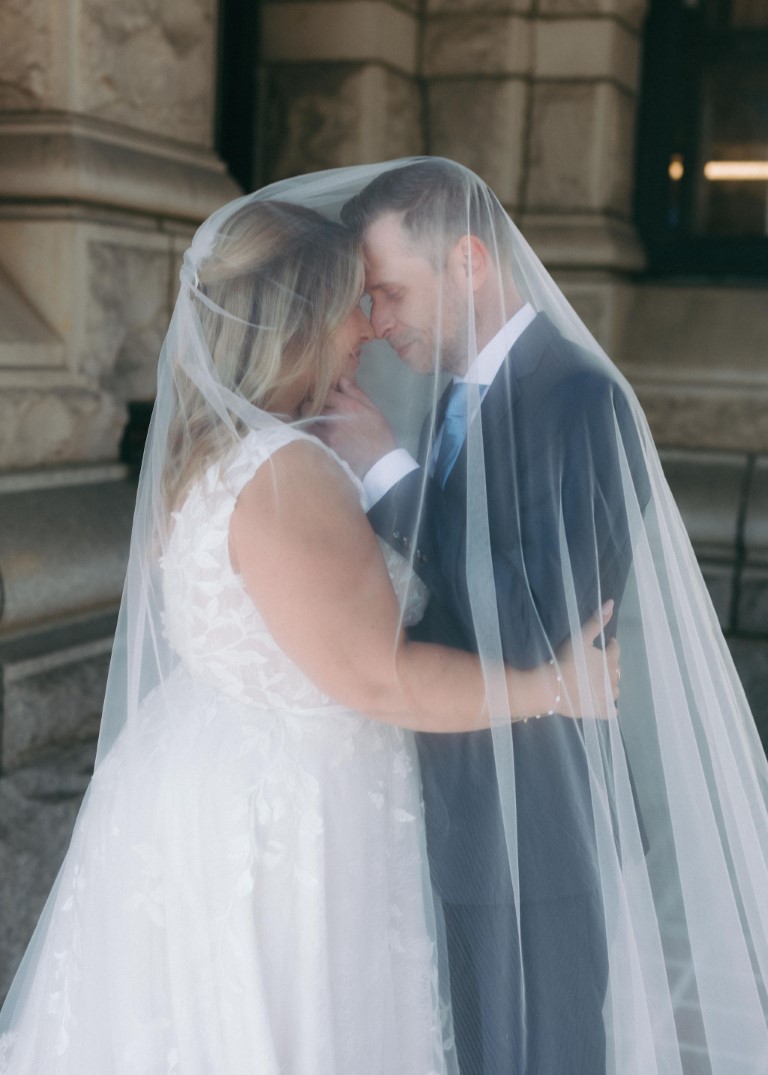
(488, 362)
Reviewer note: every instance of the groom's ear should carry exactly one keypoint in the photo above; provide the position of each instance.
(472, 259)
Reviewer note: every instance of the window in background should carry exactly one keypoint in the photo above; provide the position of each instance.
(702, 190)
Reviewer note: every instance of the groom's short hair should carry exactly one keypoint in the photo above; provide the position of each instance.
(439, 201)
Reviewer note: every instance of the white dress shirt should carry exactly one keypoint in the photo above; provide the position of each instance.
(394, 466)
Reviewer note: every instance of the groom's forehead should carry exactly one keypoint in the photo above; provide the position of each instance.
(386, 234)
(390, 252)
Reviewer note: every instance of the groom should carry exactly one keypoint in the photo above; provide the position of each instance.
(527, 983)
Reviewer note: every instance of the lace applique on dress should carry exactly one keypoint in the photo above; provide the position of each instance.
(211, 621)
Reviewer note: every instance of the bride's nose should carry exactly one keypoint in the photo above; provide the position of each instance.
(364, 327)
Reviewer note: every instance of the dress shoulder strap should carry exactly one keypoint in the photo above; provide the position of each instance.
(257, 447)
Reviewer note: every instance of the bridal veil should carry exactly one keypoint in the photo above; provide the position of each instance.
(554, 502)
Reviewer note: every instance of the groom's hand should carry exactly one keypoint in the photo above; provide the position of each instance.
(355, 428)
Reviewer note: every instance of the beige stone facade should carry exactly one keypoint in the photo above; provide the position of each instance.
(106, 163)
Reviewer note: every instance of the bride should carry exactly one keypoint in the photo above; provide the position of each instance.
(246, 889)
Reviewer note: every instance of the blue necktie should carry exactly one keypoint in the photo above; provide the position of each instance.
(454, 431)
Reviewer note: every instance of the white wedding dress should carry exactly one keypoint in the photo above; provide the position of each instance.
(245, 887)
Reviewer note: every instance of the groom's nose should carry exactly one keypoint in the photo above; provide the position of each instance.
(381, 321)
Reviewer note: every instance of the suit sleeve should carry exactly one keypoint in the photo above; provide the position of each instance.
(400, 518)
(420, 520)
(602, 469)
(573, 540)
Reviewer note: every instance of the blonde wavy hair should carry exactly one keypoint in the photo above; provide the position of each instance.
(278, 282)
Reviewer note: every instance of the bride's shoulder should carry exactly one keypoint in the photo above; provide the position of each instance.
(294, 455)
(301, 500)
(252, 450)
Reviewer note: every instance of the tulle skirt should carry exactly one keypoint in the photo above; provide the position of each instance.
(245, 891)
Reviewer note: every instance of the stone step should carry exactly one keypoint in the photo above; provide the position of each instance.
(64, 537)
(52, 687)
(38, 806)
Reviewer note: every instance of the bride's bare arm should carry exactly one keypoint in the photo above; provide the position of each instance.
(312, 566)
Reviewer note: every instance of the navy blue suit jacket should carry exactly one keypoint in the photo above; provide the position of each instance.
(548, 422)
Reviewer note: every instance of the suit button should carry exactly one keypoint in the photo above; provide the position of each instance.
(396, 535)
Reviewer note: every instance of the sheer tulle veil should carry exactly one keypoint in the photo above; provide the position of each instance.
(556, 503)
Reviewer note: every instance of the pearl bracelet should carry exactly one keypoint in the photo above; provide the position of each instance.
(558, 694)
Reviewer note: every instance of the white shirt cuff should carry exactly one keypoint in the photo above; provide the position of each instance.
(385, 473)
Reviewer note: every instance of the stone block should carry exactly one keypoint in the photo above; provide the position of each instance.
(79, 273)
(146, 65)
(756, 522)
(38, 807)
(42, 259)
(481, 124)
(491, 6)
(753, 596)
(591, 301)
(55, 698)
(128, 297)
(327, 116)
(631, 12)
(408, 5)
(753, 602)
(104, 293)
(705, 332)
(78, 160)
(581, 152)
(600, 300)
(149, 66)
(63, 548)
(696, 357)
(27, 48)
(477, 44)
(690, 415)
(581, 243)
(588, 49)
(751, 659)
(708, 489)
(25, 338)
(369, 31)
(57, 424)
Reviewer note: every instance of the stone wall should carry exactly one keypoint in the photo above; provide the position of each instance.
(106, 128)
(540, 99)
(341, 84)
(106, 168)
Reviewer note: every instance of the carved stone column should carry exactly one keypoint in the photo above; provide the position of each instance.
(539, 98)
(340, 83)
(106, 163)
(106, 166)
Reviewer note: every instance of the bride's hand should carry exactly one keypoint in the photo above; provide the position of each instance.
(362, 435)
(574, 662)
